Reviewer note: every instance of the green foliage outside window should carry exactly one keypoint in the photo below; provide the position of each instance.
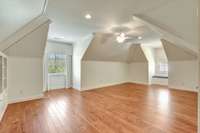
(56, 63)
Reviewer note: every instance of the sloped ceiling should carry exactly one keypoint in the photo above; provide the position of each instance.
(99, 50)
(14, 14)
(69, 22)
(136, 54)
(175, 16)
(32, 45)
(179, 18)
(175, 53)
(23, 32)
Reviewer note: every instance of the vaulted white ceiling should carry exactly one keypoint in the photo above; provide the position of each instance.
(179, 18)
(69, 22)
(14, 14)
(175, 16)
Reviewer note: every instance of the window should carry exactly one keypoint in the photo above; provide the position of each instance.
(163, 67)
(56, 63)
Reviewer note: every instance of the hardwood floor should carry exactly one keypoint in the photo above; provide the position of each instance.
(126, 108)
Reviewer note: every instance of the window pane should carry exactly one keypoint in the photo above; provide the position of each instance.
(56, 63)
(163, 67)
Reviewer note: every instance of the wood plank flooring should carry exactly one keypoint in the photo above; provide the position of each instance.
(126, 108)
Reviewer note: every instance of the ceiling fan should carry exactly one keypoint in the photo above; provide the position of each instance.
(121, 35)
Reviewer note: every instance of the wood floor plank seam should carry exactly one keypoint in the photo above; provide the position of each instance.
(124, 108)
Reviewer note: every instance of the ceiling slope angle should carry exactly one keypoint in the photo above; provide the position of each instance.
(176, 53)
(23, 32)
(136, 54)
(69, 21)
(14, 14)
(31, 45)
(177, 25)
(113, 51)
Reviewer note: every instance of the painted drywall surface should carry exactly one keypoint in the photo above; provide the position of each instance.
(25, 78)
(78, 51)
(56, 81)
(160, 55)
(182, 22)
(15, 14)
(59, 47)
(183, 75)
(149, 53)
(105, 48)
(31, 45)
(25, 64)
(138, 73)
(177, 53)
(160, 81)
(95, 74)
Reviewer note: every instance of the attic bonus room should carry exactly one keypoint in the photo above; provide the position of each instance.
(99, 66)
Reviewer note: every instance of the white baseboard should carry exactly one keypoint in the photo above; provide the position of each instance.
(39, 96)
(182, 88)
(3, 112)
(142, 83)
(100, 86)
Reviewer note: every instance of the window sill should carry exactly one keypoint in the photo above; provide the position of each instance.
(161, 77)
(56, 74)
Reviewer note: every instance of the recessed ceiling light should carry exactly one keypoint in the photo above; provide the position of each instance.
(139, 38)
(88, 16)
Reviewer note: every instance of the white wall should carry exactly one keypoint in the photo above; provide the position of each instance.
(25, 78)
(160, 81)
(182, 22)
(138, 73)
(56, 81)
(149, 53)
(183, 75)
(59, 47)
(78, 51)
(95, 74)
(25, 65)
